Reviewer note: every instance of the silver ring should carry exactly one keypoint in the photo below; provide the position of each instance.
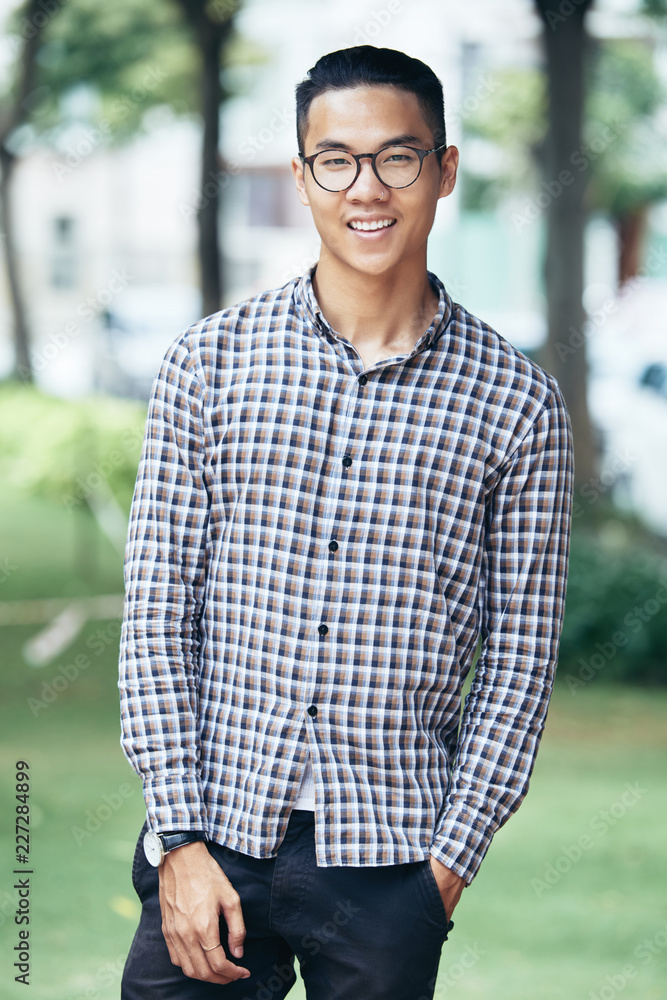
(218, 945)
(382, 196)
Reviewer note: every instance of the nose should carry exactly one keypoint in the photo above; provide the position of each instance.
(367, 184)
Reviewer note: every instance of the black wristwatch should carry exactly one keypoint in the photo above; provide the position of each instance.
(157, 845)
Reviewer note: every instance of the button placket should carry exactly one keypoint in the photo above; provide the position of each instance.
(331, 501)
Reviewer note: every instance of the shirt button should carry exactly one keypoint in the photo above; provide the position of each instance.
(312, 710)
(322, 629)
(333, 546)
(363, 379)
(347, 461)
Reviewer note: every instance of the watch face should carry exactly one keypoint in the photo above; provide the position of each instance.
(153, 849)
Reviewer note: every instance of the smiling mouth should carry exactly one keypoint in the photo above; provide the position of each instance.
(371, 226)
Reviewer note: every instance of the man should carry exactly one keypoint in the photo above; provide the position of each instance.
(345, 483)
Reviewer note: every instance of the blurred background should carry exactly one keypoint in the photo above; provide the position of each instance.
(144, 183)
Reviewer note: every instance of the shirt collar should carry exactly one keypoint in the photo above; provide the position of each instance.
(308, 305)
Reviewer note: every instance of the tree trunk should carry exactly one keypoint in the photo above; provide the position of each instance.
(631, 229)
(14, 114)
(22, 363)
(210, 257)
(211, 36)
(564, 353)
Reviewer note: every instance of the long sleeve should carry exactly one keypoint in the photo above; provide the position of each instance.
(164, 581)
(522, 596)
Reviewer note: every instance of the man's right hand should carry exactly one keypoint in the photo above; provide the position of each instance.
(193, 892)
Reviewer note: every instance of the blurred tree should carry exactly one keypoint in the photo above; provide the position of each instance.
(28, 29)
(102, 68)
(564, 38)
(631, 173)
(105, 66)
(624, 143)
(115, 48)
(211, 22)
(565, 43)
(589, 124)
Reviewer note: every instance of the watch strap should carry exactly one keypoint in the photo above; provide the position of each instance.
(179, 838)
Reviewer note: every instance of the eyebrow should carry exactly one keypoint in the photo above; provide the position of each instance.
(397, 140)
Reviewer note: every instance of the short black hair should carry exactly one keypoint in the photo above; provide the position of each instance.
(367, 65)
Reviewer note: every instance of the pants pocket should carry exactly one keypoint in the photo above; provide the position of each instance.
(139, 856)
(438, 907)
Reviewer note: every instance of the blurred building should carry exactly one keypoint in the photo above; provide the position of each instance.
(107, 237)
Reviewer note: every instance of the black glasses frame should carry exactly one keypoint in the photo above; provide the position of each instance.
(421, 153)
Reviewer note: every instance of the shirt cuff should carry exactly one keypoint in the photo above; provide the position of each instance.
(175, 805)
(460, 843)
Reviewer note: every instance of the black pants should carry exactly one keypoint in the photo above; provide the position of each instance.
(358, 933)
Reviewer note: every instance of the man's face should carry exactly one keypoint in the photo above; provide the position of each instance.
(364, 120)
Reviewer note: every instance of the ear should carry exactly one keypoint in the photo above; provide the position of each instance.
(448, 170)
(298, 171)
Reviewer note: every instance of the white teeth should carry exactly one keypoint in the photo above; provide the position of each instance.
(366, 226)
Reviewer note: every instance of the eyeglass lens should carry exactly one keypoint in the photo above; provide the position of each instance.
(335, 170)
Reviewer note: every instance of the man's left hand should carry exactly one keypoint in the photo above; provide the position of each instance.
(450, 885)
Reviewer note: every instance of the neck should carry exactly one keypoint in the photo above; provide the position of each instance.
(379, 310)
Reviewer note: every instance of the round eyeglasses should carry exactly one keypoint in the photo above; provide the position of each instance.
(394, 166)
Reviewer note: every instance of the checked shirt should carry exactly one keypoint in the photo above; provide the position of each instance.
(316, 551)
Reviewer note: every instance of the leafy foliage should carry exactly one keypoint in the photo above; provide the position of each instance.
(615, 626)
(63, 450)
(127, 56)
(626, 91)
(624, 143)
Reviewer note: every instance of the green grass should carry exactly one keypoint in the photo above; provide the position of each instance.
(50, 551)
(517, 937)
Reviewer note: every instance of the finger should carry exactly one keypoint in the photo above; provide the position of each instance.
(211, 966)
(233, 914)
(195, 965)
(221, 969)
(172, 944)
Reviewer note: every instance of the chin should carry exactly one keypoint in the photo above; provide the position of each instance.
(370, 264)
